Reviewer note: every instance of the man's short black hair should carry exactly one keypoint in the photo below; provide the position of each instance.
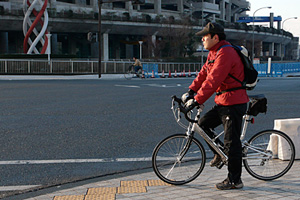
(222, 36)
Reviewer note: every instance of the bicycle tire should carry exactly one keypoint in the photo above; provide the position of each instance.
(165, 160)
(272, 167)
(128, 75)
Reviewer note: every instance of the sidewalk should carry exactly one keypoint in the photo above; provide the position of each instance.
(145, 185)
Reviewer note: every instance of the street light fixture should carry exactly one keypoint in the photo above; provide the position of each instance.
(282, 36)
(269, 7)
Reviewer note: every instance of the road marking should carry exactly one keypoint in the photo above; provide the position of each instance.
(62, 161)
(158, 85)
(129, 86)
(17, 187)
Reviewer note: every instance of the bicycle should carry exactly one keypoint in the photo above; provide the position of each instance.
(180, 158)
(130, 73)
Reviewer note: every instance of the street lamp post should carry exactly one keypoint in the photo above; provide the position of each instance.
(269, 7)
(282, 54)
(99, 38)
(100, 2)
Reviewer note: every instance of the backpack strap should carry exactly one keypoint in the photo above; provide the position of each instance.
(226, 45)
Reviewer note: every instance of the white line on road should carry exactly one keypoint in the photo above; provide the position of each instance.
(129, 86)
(62, 161)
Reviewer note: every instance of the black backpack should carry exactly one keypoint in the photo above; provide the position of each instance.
(250, 73)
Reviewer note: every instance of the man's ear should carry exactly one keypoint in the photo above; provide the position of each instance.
(216, 38)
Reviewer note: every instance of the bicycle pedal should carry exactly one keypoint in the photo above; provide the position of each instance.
(220, 165)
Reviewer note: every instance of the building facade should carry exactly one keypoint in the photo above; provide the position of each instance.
(157, 28)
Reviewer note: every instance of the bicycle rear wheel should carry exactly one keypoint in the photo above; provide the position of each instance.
(176, 162)
(269, 155)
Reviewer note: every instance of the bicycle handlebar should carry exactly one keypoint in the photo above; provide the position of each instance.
(183, 109)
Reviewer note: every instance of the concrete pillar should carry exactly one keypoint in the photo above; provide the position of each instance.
(279, 24)
(71, 45)
(94, 50)
(129, 51)
(94, 4)
(153, 38)
(222, 9)
(129, 7)
(53, 4)
(105, 47)
(271, 20)
(3, 42)
(54, 46)
(157, 7)
(271, 49)
(180, 6)
(228, 12)
(278, 49)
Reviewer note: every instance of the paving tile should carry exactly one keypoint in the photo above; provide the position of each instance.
(69, 197)
(100, 197)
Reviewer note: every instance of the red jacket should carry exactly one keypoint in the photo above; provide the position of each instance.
(213, 77)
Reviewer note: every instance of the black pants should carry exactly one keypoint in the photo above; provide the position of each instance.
(231, 117)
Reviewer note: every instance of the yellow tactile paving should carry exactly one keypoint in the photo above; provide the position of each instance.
(123, 190)
(134, 183)
(69, 197)
(157, 183)
(102, 190)
(100, 197)
(109, 193)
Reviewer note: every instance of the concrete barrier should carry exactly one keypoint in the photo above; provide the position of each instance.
(292, 128)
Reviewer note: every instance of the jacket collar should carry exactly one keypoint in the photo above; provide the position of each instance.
(218, 45)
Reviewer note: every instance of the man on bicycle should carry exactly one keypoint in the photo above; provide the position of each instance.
(230, 106)
(137, 64)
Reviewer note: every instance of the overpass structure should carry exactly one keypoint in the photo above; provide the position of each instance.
(128, 28)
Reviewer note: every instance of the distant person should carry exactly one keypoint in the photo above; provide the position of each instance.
(137, 64)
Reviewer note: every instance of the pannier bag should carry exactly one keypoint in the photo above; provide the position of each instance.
(257, 106)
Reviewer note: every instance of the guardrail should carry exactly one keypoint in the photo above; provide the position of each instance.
(22, 66)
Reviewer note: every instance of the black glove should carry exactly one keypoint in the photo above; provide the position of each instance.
(187, 96)
(191, 104)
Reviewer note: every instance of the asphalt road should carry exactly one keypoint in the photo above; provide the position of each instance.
(59, 131)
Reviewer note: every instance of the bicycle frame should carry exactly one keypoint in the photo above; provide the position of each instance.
(193, 127)
(180, 158)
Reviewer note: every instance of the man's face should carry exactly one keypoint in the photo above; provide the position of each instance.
(209, 42)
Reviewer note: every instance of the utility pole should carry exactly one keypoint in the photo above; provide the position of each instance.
(99, 38)
(100, 2)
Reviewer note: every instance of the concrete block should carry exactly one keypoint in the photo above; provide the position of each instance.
(292, 128)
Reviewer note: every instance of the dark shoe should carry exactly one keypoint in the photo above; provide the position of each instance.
(215, 161)
(227, 185)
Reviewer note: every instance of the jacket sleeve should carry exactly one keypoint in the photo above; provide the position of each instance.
(197, 83)
(215, 76)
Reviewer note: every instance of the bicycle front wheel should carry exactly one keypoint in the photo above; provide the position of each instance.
(178, 159)
(269, 155)
(129, 75)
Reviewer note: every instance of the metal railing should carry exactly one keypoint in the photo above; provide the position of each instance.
(26, 66)
(23, 66)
